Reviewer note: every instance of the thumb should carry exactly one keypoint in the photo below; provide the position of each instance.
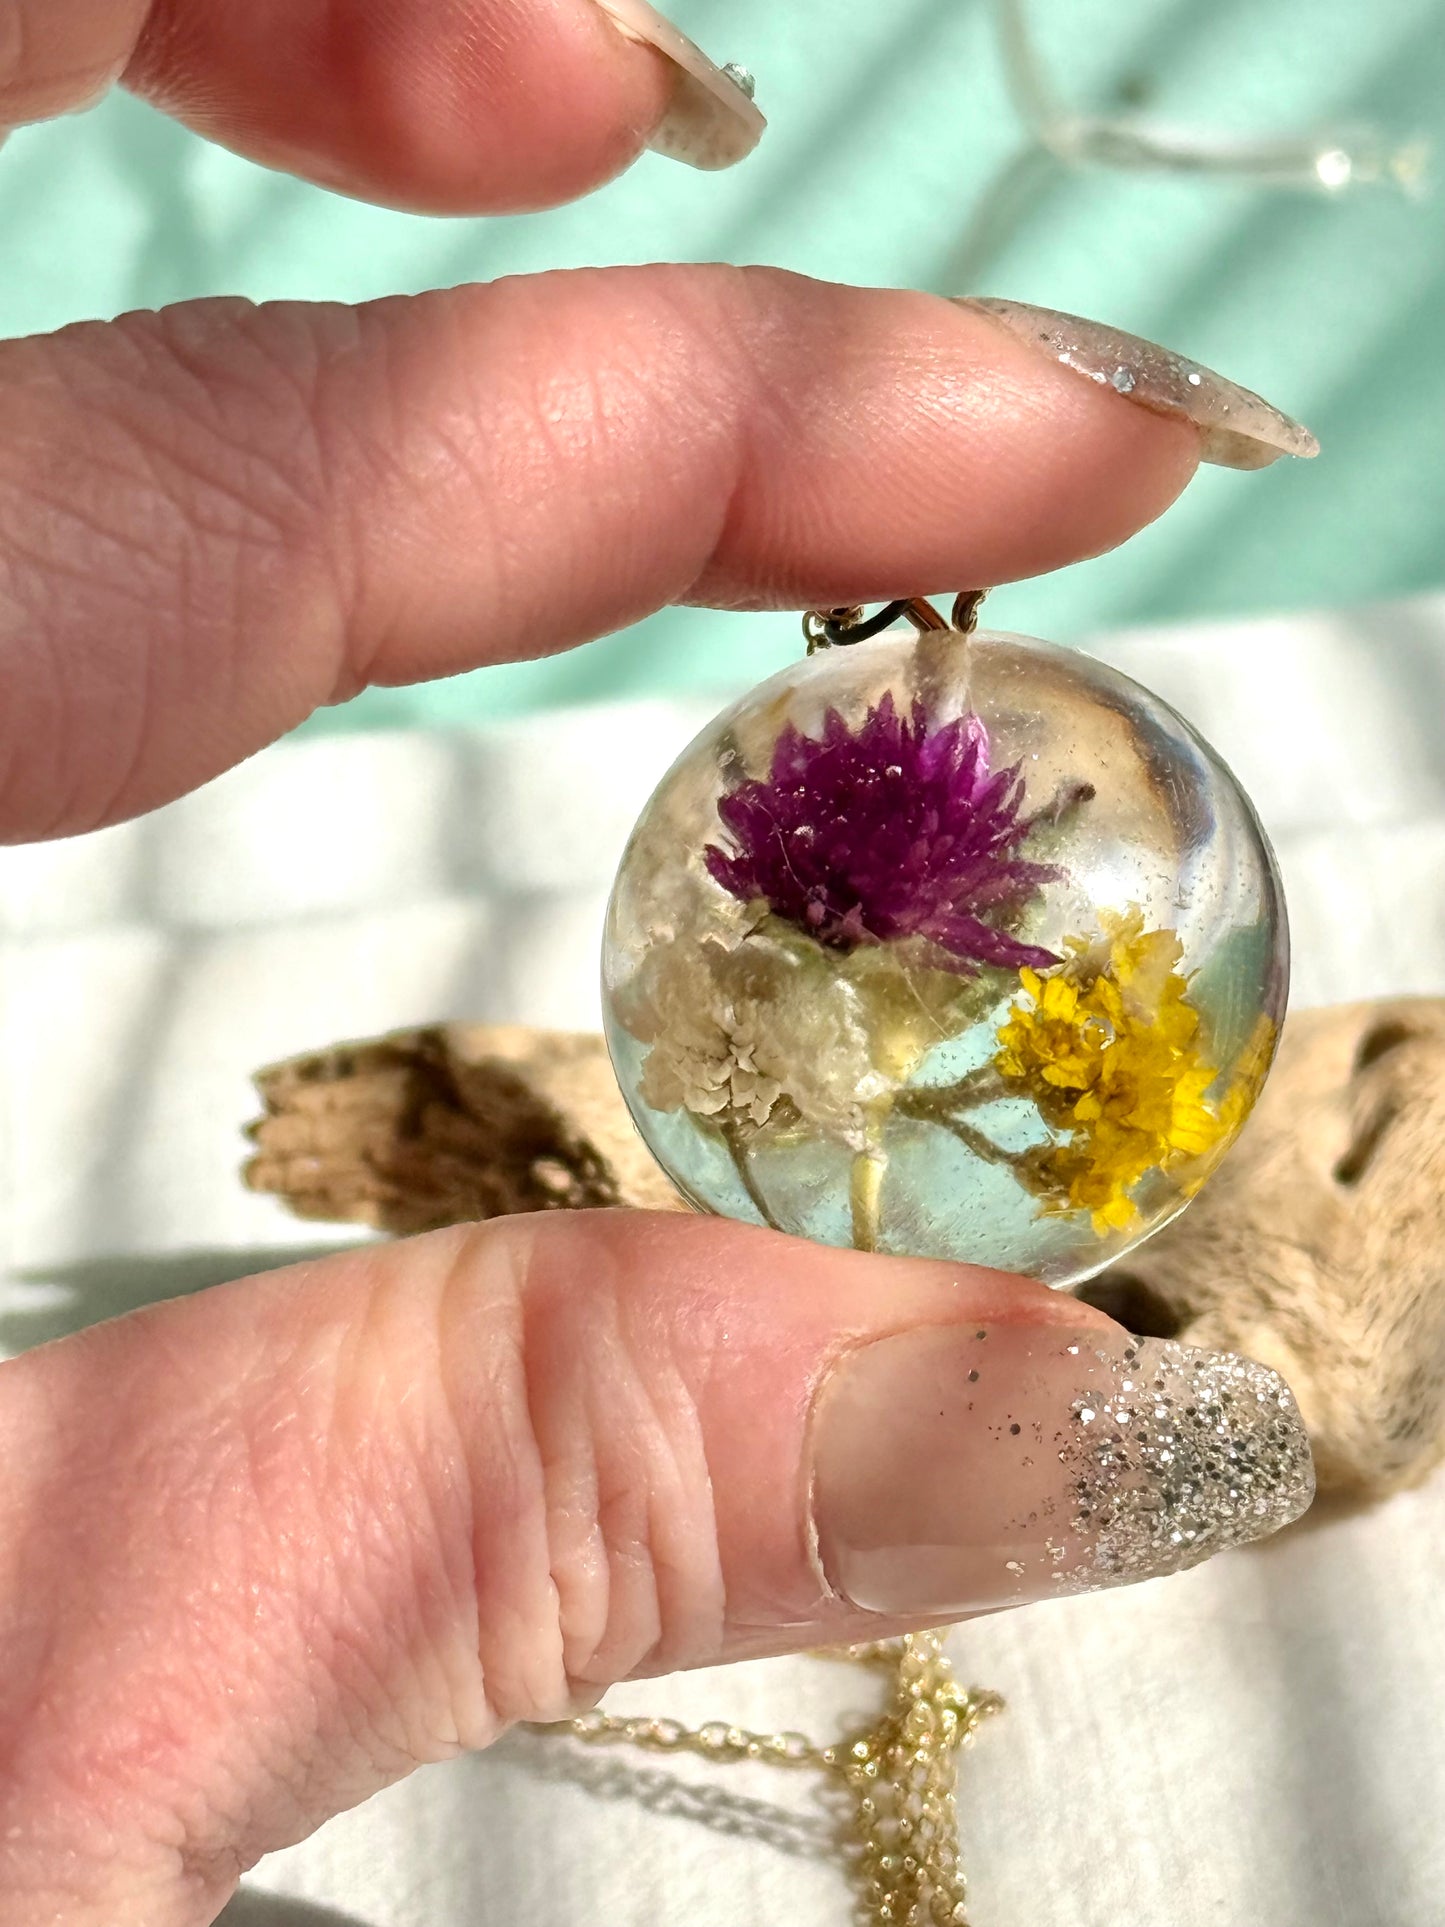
(265, 1549)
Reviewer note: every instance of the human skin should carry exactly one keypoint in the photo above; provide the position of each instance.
(264, 1550)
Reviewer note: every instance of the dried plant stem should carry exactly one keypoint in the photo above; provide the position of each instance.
(975, 1141)
(982, 1085)
(865, 1184)
(737, 1145)
(940, 1104)
(865, 1191)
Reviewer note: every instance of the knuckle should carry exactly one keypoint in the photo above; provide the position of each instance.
(595, 1537)
(178, 439)
(214, 412)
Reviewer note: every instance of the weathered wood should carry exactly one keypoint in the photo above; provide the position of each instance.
(450, 1124)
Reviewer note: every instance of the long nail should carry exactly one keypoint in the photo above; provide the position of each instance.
(711, 121)
(957, 1471)
(1238, 428)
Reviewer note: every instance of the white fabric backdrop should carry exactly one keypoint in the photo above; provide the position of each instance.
(1254, 1744)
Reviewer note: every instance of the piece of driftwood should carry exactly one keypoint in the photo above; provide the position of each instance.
(442, 1126)
(1318, 1247)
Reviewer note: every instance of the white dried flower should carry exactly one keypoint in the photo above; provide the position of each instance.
(739, 1029)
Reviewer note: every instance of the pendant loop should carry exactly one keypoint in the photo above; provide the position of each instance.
(837, 628)
(965, 610)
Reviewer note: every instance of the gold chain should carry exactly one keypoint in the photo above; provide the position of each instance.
(901, 1775)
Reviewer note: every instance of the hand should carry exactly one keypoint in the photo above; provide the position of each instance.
(264, 1550)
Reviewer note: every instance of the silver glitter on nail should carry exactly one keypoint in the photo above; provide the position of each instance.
(711, 120)
(1238, 429)
(1215, 1456)
(742, 79)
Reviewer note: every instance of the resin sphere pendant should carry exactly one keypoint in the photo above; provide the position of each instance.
(949, 945)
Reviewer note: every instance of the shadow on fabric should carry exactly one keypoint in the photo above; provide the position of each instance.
(249, 1909)
(66, 1298)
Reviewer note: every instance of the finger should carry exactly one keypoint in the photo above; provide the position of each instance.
(215, 519)
(58, 55)
(267, 1548)
(452, 106)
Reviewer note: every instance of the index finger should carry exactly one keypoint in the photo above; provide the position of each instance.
(214, 519)
(449, 106)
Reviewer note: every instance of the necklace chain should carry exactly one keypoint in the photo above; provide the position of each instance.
(901, 1845)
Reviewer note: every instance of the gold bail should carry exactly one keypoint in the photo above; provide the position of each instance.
(836, 628)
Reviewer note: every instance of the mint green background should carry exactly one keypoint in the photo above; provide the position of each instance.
(896, 156)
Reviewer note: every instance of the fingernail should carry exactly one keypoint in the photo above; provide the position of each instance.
(958, 1471)
(711, 121)
(1239, 429)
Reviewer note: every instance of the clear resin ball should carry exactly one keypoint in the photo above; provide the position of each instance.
(949, 946)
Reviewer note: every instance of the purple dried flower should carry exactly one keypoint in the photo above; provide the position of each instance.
(896, 831)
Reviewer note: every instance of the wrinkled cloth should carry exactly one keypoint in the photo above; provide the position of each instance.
(1253, 1742)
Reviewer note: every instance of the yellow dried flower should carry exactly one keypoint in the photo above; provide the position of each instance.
(1250, 1070)
(1108, 1048)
